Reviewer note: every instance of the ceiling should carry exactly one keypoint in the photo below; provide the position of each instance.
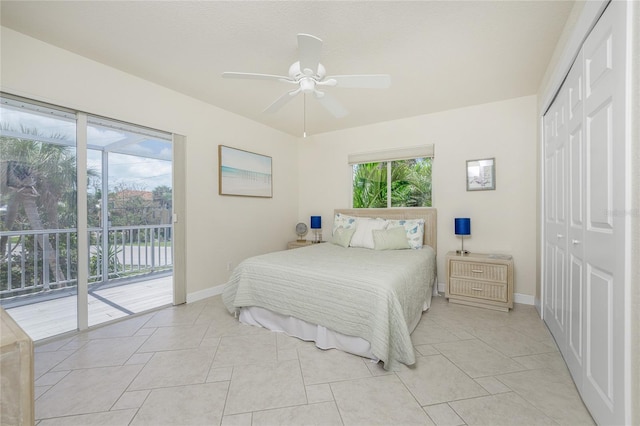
(440, 54)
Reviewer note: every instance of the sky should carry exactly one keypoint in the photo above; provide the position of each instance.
(124, 170)
(132, 172)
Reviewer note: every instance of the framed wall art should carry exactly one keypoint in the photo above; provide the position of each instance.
(481, 174)
(244, 173)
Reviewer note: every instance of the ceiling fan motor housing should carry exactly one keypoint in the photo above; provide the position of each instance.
(297, 74)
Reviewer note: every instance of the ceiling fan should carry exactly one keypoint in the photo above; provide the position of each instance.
(309, 74)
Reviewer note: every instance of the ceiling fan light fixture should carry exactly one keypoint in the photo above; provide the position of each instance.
(307, 85)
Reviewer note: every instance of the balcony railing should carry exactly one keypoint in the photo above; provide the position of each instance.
(36, 261)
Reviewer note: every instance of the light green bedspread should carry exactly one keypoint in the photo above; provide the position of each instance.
(358, 292)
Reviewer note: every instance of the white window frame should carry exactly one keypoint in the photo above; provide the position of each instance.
(388, 156)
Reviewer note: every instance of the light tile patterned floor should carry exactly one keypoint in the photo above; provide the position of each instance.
(196, 365)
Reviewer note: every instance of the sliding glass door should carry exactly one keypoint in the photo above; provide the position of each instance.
(129, 199)
(127, 222)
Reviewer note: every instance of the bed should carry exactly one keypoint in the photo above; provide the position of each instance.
(360, 300)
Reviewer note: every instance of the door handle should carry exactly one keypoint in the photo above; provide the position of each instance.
(559, 236)
(575, 242)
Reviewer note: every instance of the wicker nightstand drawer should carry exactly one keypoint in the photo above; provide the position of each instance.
(481, 280)
(479, 271)
(481, 290)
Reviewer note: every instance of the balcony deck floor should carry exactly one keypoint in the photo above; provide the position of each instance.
(48, 318)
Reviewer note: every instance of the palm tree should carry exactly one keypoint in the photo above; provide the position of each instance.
(410, 184)
(38, 186)
(417, 192)
(370, 185)
(423, 181)
(162, 196)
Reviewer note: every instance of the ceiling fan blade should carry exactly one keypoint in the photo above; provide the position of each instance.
(331, 104)
(309, 49)
(281, 101)
(254, 76)
(372, 81)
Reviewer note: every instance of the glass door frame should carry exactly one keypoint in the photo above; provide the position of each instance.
(82, 225)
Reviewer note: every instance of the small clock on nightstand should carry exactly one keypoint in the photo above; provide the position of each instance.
(301, 230)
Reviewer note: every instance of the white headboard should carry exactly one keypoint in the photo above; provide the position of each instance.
(429, 214)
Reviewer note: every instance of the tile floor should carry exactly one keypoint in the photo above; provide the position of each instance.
(196, 365)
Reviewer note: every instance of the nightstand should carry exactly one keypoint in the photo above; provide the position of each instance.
(482, 280)
(298, 243)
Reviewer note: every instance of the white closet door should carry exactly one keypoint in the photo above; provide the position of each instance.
(573, 352)
(585, 218)
(555, 124)
(604, 232)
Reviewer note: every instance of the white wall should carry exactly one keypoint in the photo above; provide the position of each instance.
(223, 229)
(219, 229)
(502, 221)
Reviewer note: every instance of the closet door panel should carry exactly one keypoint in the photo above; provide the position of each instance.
(575, 189)
(549, 214)
(599, 342)
(555, 279)
(600, 170)
(604, 50)
(575, 318)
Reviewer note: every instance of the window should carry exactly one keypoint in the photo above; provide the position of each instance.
(397, 178)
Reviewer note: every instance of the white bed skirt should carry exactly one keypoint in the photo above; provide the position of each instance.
(322, 336)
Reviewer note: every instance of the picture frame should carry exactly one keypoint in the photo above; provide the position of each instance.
(481, 174)
(243, 173)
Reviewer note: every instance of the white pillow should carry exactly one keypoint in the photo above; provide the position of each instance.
(390, 239)
(414, 229)
(363, 237)
(343, 221)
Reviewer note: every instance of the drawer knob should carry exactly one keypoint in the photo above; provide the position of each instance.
(477, 271)
(476, 289)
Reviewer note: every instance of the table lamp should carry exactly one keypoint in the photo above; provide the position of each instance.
(316, 225)
(462, 228)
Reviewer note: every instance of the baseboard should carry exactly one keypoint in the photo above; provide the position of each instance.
(203, 294)
(524, 299)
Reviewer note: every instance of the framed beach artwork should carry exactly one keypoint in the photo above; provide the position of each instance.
(244, 173)
(481, 174)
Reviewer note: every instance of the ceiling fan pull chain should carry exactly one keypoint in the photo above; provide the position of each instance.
(304, 115)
